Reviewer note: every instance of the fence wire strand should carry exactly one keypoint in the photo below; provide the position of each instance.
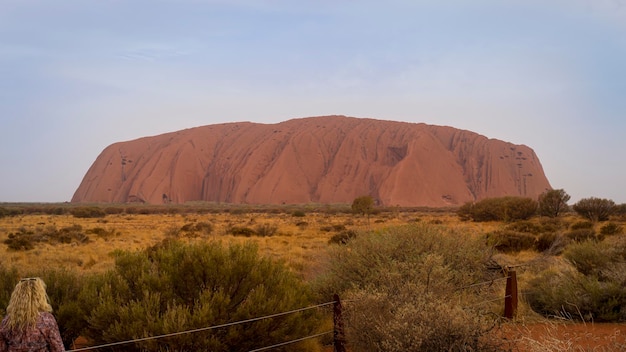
(203, 329)
(290, 342)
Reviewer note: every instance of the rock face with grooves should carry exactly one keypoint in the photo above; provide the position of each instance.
(328, 159)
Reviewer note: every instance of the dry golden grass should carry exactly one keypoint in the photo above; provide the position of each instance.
(300, 241)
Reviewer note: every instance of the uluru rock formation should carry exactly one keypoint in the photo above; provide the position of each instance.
(328, 159)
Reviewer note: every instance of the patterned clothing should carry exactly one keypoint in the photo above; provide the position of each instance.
(44, 337)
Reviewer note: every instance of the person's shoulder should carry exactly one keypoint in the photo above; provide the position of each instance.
(47, 317)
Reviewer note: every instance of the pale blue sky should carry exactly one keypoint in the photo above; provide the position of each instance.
(78, 75)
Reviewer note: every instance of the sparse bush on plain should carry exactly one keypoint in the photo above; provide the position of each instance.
(8, 278)
(402, 285)
(87, 212)
(582, 235)
(595, 209)
(574, 296)
(611, 228)
(240, 231)
(551, 224)
(553, 202)
(547, 241)
(24, 239)
(266, 230)
(298, 214)
(196, 228)
(175, 287)
(581, 225)
(343, 237)
(499, 209)
(590, 257)
(509, 241)
(525, 226)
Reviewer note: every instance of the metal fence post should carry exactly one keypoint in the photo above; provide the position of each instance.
(510, 298)
(339, 339)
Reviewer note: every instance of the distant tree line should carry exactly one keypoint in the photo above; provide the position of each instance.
(551, 203)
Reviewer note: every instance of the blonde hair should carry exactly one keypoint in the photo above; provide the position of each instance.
(29, 298)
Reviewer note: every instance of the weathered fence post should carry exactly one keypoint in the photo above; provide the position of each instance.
(338, 334)
(510, 298)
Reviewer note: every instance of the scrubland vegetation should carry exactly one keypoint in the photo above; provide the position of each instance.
(410, 279)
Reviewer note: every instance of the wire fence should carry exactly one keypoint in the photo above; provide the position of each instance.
(337, 305)
(191, 331)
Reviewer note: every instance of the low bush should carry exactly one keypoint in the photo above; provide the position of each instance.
(551, 224)
(525, 226)
(499, 209)
(611, 228)
(298, 214)
(592, 290)
(574, 296)
(8, 278)
(402, 285)
(196, 228)
(547, 242)
(590, 257)
(24, 239)
(266, 230)
(509, 241)
(581, 225)
(595, 209)
(343, 237)
(581, 235)
(19, 242)
(175, 287)
(88, 212)
(240, 231)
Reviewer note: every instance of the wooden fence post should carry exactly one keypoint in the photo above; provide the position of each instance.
(339, 342)
(510, 299)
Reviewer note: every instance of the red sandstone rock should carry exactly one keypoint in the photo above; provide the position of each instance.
(329, 159)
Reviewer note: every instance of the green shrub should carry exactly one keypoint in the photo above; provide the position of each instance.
(88, 212)
(594, 209)
(343, 237)
(302, 224)
(575, 296)
(298, 214)
(195, 228)
(551, 224)
(499, 209)
(591, 258)
(8, 278)
(402, 285)
(581, 225)
(175, 287)
(546, 241)
(240, 231)
(553, 202)
(611, 228)
(525, 226)
(266, 230)
(511, 241)
(19, 242)
(582, 235)
(101, 232)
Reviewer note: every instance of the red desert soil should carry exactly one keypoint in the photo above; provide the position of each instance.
(328, 159)
(597, 337)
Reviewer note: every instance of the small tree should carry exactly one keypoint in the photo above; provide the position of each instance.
(594, 209)
(553, 202)
(363, 205)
